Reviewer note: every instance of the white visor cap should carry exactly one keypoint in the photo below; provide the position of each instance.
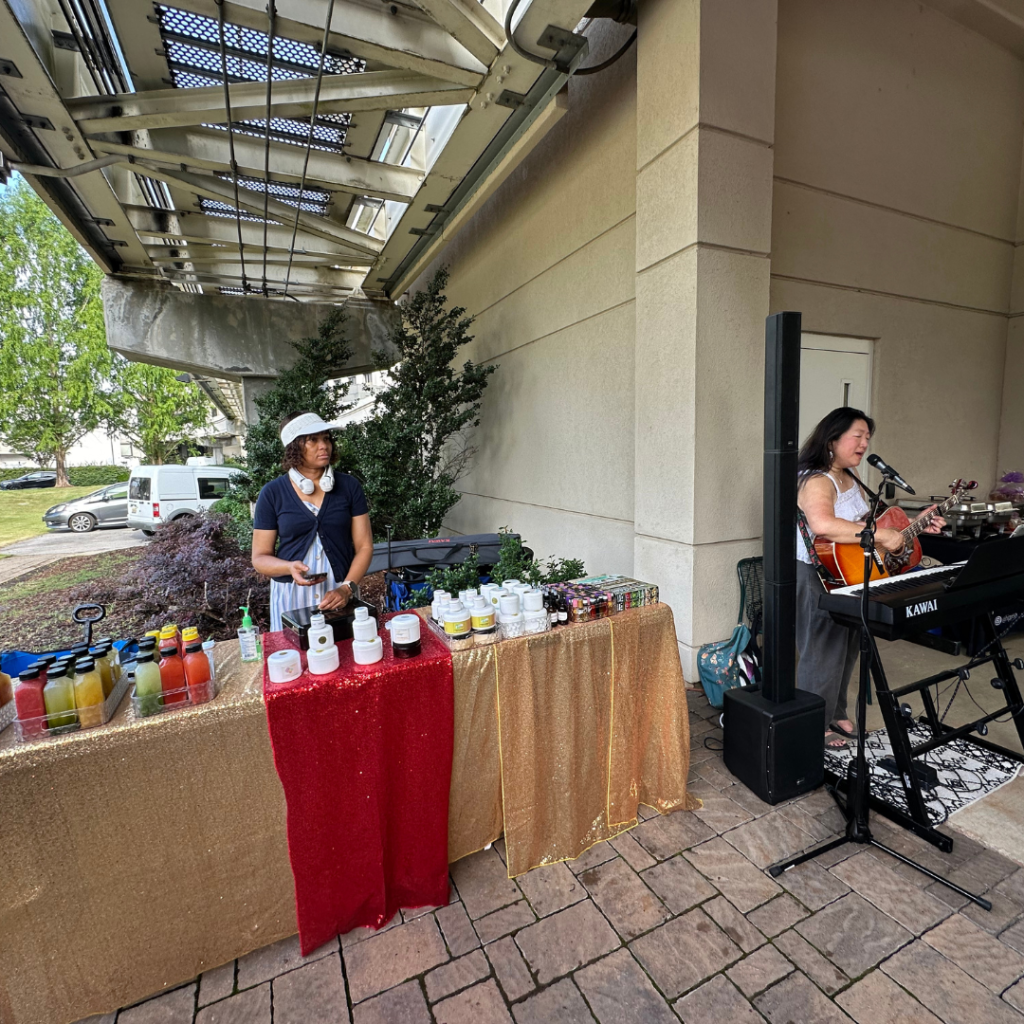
(307, 423)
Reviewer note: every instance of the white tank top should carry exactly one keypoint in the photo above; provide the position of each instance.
(850, 505)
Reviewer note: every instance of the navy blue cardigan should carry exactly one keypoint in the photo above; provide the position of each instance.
(280, 508)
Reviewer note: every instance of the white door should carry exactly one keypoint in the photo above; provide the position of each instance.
(834, 372)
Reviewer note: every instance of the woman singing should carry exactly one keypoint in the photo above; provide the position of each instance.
(835, 505)
(317, 519)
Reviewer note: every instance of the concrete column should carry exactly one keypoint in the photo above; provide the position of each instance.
(251, 388)
(705, 129)
(1011, 421)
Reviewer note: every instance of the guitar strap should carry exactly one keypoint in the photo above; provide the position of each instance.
(820, 568)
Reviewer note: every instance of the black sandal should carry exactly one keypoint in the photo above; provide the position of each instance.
(837, 728)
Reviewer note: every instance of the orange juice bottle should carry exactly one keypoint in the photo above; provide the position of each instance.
(172, 674)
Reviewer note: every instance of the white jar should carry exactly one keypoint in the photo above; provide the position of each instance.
(363, 626)
(509, 584)
(320, 635)
(284, 666)
(367, 652)
(457, 622)
(322, 660)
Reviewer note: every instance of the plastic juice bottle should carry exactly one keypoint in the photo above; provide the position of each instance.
(100, 656)
(59, 698)
(170, 634)
(189, 635)
(148, 686)
(113, 658)
(172, 674)
(197, 673)
(248, 637)
(89, 693)
(28, 700)
(43, 668)
(6, 688)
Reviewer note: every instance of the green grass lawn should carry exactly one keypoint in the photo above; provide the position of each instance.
(21, 512)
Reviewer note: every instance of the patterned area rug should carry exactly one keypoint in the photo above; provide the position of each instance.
(966, 772)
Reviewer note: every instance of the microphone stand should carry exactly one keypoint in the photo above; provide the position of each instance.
(858, 789)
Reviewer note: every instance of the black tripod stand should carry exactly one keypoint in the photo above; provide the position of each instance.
(858, 828)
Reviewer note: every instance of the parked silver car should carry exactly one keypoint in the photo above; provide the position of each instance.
(106, 507)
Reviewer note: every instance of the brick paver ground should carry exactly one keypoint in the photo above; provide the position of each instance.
(676, 921)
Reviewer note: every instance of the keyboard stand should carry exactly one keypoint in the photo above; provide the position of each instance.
(904, 751)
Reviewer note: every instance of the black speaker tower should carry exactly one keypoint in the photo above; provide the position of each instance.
(774, 738)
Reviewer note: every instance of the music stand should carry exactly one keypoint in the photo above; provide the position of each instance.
(856, 809)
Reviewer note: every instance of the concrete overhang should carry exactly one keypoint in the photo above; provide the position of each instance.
(231, 338)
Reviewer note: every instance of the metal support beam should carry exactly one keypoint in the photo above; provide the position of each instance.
(339, 94)
(470, 24)
(195, 226)
(222, 192)
(207, 151)
(398, 41)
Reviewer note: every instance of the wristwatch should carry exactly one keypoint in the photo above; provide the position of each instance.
(353, 589)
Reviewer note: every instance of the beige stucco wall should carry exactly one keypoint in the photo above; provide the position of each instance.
(547, 269)
(897, 174)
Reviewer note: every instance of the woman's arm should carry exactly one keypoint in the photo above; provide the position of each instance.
(817, 498)
(362, 540)
(264, 560)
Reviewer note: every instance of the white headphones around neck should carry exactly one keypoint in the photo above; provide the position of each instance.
(307, 486)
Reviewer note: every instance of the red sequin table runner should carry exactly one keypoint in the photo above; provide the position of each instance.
(365, 758)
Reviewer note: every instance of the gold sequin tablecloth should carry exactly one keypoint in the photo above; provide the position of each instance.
(139, 854)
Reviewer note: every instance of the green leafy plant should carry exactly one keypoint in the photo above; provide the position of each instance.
(561, 570)
(236, 506)
(154, 410)
(78, 476)
(417, 443)
(311, 383)
(454, 578)
(516, 562)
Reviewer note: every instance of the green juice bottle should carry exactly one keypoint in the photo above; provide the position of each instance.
(148, 689)
(59, 698)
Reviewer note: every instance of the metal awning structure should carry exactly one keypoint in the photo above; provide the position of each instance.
(297, 148)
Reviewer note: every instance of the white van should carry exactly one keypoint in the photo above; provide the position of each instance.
(161, 494)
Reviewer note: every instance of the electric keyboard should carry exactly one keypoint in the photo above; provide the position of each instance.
(895, 584)
(917, 602)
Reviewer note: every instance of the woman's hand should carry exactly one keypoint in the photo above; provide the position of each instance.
(335, 599)
(936, 525)
(889, 540)
(297, 569)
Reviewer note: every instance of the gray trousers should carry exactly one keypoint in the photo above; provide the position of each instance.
(828, 652)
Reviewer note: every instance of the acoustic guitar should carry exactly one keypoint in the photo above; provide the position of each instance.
(846, 561)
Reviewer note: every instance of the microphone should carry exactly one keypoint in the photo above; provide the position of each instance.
(886, 470)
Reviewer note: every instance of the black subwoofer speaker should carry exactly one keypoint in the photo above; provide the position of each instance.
(775, 750)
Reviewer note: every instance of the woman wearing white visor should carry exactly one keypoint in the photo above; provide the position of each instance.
(318, 521)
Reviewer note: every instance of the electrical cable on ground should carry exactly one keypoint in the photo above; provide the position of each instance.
(309, 140)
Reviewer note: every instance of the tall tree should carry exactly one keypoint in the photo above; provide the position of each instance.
(155, 410)
(418, 442)
(311, 384)
(54, 361)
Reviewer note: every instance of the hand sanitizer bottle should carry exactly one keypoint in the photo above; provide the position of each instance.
(248, 637)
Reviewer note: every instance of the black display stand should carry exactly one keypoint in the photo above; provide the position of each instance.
(858, 790)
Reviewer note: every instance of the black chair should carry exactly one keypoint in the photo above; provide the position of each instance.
(751, 574)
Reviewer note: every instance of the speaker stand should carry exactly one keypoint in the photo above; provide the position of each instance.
(858, 826)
